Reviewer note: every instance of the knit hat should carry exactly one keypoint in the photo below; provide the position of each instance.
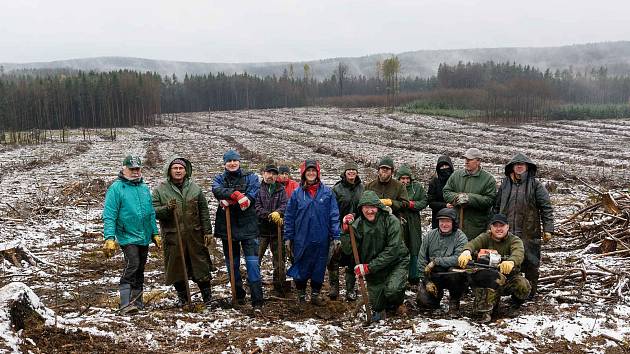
(178, 162)
(350, 165)
(231, 155)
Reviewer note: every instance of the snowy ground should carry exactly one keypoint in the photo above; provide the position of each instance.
(52, 199)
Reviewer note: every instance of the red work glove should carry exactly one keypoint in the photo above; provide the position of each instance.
(411, 204)
(361, 270)
(349, 218)
(224, 203)
(241, 199)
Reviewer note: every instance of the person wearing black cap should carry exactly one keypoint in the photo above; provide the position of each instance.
(489, 291)
(443, 170)
(390, 191)
(311, 223)
(438, 254)
(129, 219)
(270, 205)
(180, 195)
(236, 189)
(348, 192)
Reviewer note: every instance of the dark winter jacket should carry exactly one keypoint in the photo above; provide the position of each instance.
(194, 223)
(244, 222)
(267, 203)
(524, 201)
(481, 188)
(392, 189)
(379, 243)
(348, 196)
(436, 187)
(442, 250)
(311, 222)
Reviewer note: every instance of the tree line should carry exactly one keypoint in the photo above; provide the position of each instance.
(40, 100)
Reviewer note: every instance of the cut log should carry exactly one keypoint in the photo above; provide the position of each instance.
(15, 252)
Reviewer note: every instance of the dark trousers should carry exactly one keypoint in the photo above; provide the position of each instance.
(135, 260)
(278, 261)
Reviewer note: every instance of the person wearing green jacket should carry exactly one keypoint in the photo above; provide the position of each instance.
(391, 192)
(410, 218)
(383, 257)
(129, 219)
(471, 192)
(438, 255)
(508, 280)
(348, 192)
(180, 195)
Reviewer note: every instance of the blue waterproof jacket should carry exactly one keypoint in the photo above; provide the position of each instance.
(128, 214)
(311, 223)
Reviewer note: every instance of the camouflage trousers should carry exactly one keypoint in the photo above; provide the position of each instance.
(277, 261)
(487, 296)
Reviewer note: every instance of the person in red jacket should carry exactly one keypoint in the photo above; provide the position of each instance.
(284, 177)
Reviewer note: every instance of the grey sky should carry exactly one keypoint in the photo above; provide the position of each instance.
(277, 30)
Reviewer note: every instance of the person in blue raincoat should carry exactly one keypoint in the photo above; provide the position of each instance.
(311, 222)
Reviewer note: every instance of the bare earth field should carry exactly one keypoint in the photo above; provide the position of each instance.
(52, 197)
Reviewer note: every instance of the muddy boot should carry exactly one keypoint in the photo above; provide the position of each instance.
(256, 294)
(240, 295)
(351, 293)
(453, 308)
(378, 316)
(136, 297)
(484, 304)
(333, 281)
(301, 293)
(402, 310)
(316, 300)
(515, 307)
(126, 306)
(206, 293)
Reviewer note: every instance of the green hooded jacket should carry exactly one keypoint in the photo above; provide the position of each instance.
(481, 188)
(412, 228)
(379, 243)
(194, 223)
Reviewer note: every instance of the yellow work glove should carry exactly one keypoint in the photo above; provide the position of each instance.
(506, 267)
(157, 239)
(109, 248)
(431, 288)
(276, 218)
(387, 202)
(547, 237)
(172, 204)
(429, 268)
(464, 258)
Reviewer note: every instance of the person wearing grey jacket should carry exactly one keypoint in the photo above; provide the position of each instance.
(438, 254)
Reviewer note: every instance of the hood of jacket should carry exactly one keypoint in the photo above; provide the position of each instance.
(521, 158)
(167, 167)
(443, 160)
(404, 170)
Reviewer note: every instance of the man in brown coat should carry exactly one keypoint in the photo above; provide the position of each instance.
(390, 191)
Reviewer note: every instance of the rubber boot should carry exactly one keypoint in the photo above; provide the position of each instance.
(182, 296)
(333, 281)
(126, 307)
(206, 294)
(240, 295)
(453, 308)
(256, 294)
(301, 295)
(515, 307)
(351, 293)
(316, 300)
(136, 296)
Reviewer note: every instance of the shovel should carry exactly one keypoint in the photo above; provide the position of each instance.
(364, 293)
(181, 253)
(230, 255)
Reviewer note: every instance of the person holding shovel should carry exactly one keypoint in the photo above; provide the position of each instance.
(471, 191)
(271, 203)
(182, 210)
(236, 190)
(129, 219)
(383, 257)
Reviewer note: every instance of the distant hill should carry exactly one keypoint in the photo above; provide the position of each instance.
(423, 63)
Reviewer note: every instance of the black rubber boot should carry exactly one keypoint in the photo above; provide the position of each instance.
(257, 294)
(206, 293)
(182, 297)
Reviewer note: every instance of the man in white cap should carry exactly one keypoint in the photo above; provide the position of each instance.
(471, 192)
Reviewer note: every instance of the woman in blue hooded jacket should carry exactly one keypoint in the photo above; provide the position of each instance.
(311, 222)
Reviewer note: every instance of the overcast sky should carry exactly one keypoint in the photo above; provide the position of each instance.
(277, 30)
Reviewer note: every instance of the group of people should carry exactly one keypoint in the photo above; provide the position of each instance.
(482, 237)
